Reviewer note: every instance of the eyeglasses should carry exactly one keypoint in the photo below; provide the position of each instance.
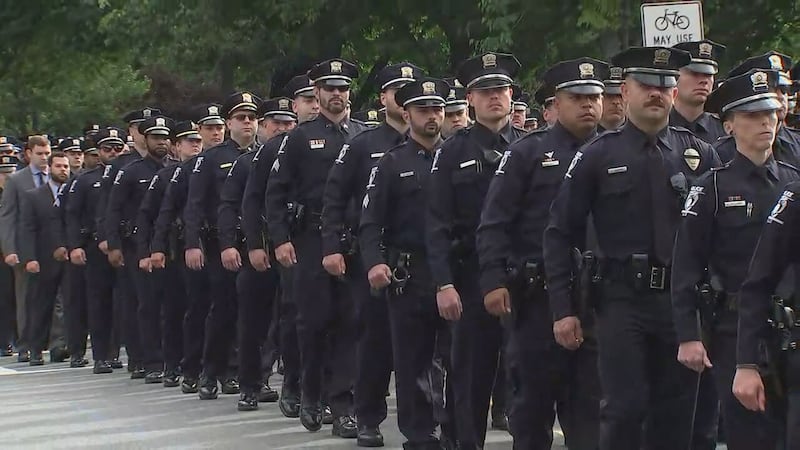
(242, 117)
(329, 88)
(111, 148)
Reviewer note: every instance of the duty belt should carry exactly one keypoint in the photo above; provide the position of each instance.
(636, 272)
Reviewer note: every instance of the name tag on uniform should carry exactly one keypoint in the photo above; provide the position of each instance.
(735, 203)
(614, 170)
(144, 181)
(316, 144)
(469, 163)
(407, 174)
(375, 155)
(551, 163)
(225, 166)
(96, 184)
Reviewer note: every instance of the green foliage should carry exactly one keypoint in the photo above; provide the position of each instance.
(66, 62)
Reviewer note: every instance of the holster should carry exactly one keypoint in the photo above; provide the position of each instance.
(126, 229)
(175, 239)
(297, 213)
(399, 262)
(587, 281)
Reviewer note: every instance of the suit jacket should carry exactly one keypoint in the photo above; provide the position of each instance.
(38, 234)
(16, 185)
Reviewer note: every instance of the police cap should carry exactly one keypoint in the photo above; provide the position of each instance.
(185, 130)
(396, 75)
(653, 66)
(244, 101)
(70, 145)
(279, 108)
(423, 92)
(705, 55)
(300, 85)
(752, 91)
(333, 72)
(208, 114)
(488, 70)
(110, 135)
(770, 60)
(158, 125)
(613, 84)
(140, 115)
(8, 163)
(370, 117)
(582, 76)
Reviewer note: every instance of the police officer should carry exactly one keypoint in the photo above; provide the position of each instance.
(534, 118)
(613, 109)
(370, 118)
(391, 221)
(82, 240)
(130, 186)
(460, 177)
(256, 290)
(168, 287)
(456, 108)
(325, 320)
(767, 367)
(723, 217)
(211, 126)
(203, 243)
(787, 142)
(545, 97)
(344, 189)
(304, 103)
(512, 271)
(135, 139)
(168, 242)
(124, 295)
(519, 107)
(631, 181)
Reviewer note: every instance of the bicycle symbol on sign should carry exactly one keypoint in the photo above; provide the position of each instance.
(671, 18)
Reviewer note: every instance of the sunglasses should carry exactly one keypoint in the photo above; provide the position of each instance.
(242, 117)
(111, 148)
(329, 88)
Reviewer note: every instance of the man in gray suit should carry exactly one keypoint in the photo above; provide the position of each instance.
(37, 150)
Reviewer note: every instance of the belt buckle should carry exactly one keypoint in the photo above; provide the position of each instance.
(657, 276)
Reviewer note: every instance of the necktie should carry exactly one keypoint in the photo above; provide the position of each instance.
(39, 179)
(662, 204)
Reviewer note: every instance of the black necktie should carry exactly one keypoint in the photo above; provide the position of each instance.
(662, 204)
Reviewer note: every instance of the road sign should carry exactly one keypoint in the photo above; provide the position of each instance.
(670, 23)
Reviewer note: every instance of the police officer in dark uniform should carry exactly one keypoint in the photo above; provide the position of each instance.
(304, 103)
(519, 107)
(545, 97)
(456, 108)
(82, 240)
(767, 365)
(392, 237)
(130, 186)
(203, 243)
(260, 255)
(787, 142)
(167, 281)
(460, 178)
(344, 190)
(168, 242)
(723, 217)
(509, 241)
(613, 109)
(694, 85)
(256, 286)
(632, 181)
(326, 316)
(370, 118)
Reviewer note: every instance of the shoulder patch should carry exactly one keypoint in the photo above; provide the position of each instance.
(119, 176)
(694, 195)
(232, 166)
(501, 167)
(106, 171)
(574, 163)
(372, 174)
(783, 202)
(435, 165)
(342, 154)
(175, 175)
(72, 186)
(197, 164)
(153, 183)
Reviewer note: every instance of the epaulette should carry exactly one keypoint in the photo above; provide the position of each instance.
(463, 131)
(681, 129)
(784, 163)
(523, 130)
(722, 167)
(362, 132)
(602, 135)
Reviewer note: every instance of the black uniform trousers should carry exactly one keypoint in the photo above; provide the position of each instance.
(416, 327)
(194, 320)
(256, 294)
(374, 350)
(145, 311)
(130, 307)
(500, 388)
(744, 429)
(7, 306)
(43, 287)
(644, 386)
(545, 379)
(100, 281)
(76, 309)
(706, 416)
(170, 292)
(477, 341)
(287, 325)
(221, 319)
(325, 327)
(792, 412)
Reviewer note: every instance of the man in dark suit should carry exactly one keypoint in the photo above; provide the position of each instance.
(37, 150)
(42, 255)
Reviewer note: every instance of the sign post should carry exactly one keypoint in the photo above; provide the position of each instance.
(669, 23)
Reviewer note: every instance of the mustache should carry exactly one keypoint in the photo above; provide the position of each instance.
(654, 102)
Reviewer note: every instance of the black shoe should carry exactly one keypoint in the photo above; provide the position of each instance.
(171, 379)
(153, 377)
(369, 437)
(267, 394)
(138, 373)
(345, 427)
(24, 356)
(6, 351)
(208, 389)
(115, 364)
(189, 385)
(36, 359)
(327, 415)
(500, 422)
(311, 417)
(289, 403)
(102, 367)
(247, 402)
(58, 355)
(230, 386)
(77, 362)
